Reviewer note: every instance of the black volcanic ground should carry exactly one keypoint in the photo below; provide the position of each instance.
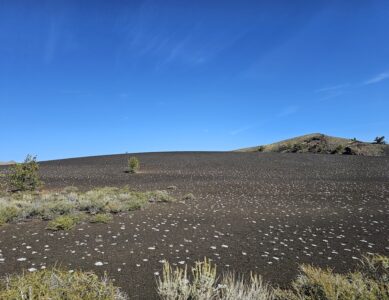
(262, 212)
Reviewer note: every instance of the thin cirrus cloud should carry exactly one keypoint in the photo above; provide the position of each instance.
(341, 89)
(338, 90)
(378, 78)
(332, 88)
(330, 92)
(241, 130)
(287, 111)
(147, 32)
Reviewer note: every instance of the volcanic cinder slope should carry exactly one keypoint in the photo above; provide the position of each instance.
(323, 144)
(261, 212)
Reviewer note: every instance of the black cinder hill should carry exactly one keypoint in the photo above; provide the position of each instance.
(324, 144)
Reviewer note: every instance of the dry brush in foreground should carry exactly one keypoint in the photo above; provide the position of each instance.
(370, 282)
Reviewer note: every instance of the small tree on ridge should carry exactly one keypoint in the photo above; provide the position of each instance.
(24, 176)
(380, 140)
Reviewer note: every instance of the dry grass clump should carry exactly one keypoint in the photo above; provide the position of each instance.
(176, 284)
(70, 201)
(370, 282)
(8, 213)
(57, 284)
(160, 196)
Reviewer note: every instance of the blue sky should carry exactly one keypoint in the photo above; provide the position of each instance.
(95, 77)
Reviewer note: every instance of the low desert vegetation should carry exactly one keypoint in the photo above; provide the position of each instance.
(160, 196)
(3, 185)
(133, 164)
(370, 281)
(201, 282)
(59, 284)
(101, 218)
(66, 207)
(324, 144)
(261, 148)
(24, 176)
(66, 222)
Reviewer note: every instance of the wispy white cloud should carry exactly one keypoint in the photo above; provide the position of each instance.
(333, 91)
(287, 111)
(147, 32)
(377, 78)
(240, 130)
(332, 88)
(332, 94)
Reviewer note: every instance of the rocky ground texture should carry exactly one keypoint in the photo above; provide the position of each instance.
(261, 212)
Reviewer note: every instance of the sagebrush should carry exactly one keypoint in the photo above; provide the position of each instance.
(70, 202)
(59, 284)
(369, 282)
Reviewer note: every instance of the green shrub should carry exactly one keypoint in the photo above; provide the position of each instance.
(63, 223)
(133, 164)
(296, 148)
(135, 204)
(8, 213)
(57, 284)
(114, 206)
(24, 176)
(348, 151)
(285, 147)
(101, 218)
(261, 148)
(338, 150)
(3, 185)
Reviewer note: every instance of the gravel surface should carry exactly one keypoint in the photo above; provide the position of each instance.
(261, 212)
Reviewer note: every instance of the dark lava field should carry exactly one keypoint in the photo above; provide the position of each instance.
(260, 212)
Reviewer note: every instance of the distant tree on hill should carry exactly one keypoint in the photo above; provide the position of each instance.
(380, 140)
